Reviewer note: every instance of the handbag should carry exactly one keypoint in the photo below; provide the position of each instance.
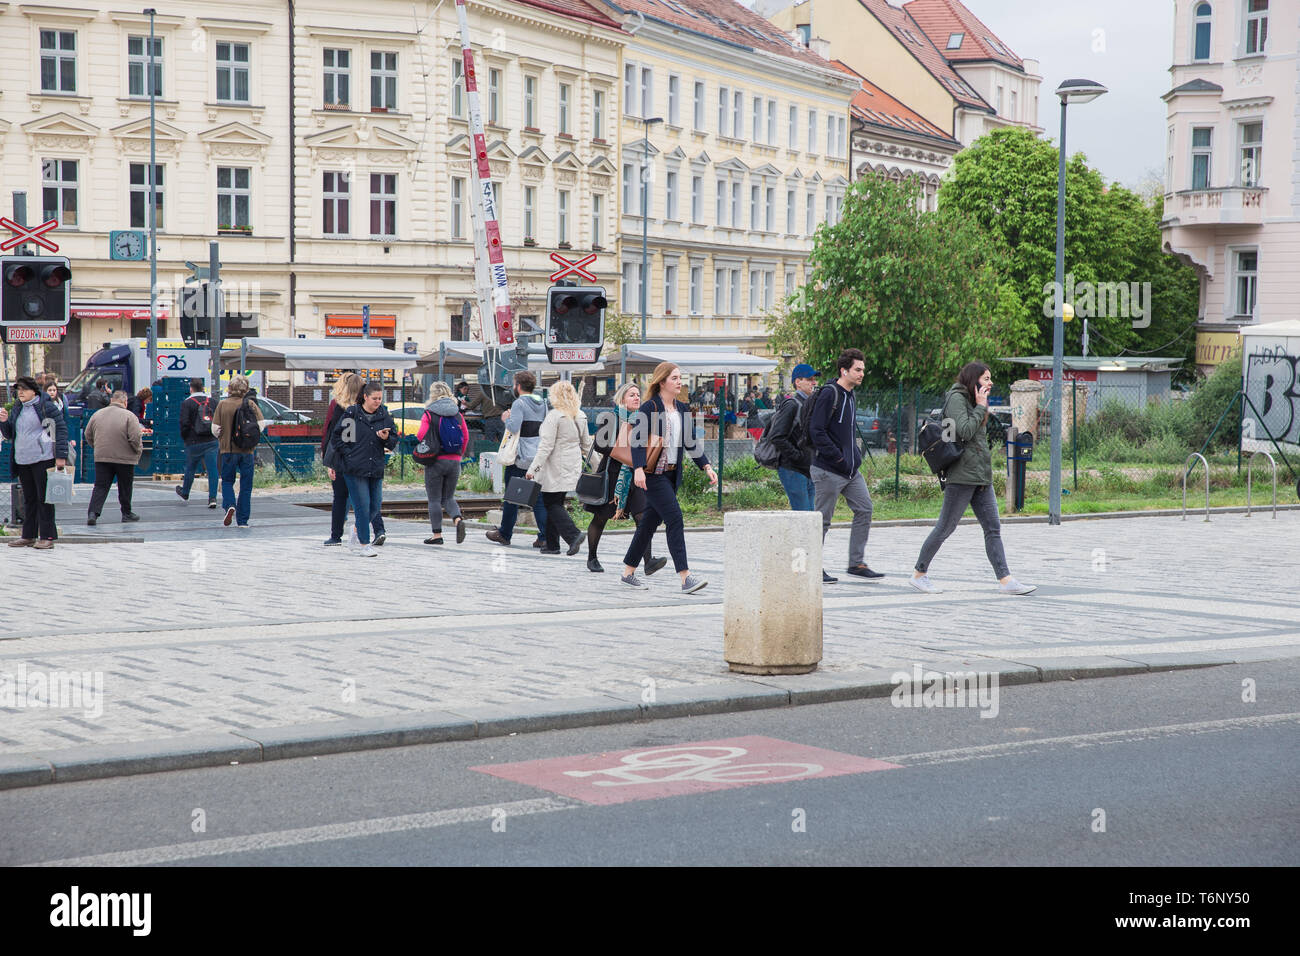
(939, 454)
(508, 453)
(622, 450)
(522, 492)
(595, 488)
(58, 487)
(427, 451)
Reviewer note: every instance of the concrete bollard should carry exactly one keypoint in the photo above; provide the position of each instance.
(772, 600)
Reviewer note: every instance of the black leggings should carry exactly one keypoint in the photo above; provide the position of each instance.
(597, 528)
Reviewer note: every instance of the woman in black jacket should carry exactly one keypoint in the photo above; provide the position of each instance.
(356, 449)
(346, 392)
(662, 437)
(38, 441)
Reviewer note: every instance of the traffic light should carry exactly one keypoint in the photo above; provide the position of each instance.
(36, 290)
(575, 323)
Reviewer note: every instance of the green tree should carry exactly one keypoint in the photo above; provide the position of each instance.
(920, 293)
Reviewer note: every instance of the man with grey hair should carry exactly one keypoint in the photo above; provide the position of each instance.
(115, 435)
(236, 457)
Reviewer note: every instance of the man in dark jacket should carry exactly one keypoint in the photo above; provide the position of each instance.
(356, 449)
(832, 426)
(787, 436)
(197, 414)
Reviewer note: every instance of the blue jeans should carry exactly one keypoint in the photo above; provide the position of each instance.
(661, 508)
(510, 512)
(367, 497)
(241, 462)
(798, 488)
(205, 452)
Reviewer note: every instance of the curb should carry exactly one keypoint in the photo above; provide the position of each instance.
(733, 695)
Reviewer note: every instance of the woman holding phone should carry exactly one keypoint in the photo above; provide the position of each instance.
(356, 449)
(662, 437)
(969, 481)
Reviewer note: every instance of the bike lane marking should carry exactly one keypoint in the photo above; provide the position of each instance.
(652, 772)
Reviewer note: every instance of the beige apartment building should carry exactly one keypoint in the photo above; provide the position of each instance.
(326, 146)
(748, 158)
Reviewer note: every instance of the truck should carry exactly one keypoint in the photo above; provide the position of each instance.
(124, 364)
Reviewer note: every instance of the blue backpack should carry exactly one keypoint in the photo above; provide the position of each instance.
(445, 439)
(450, 436)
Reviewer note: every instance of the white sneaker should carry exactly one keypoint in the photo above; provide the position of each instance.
(367, 551)
(1015, 587)
(923, 584)
(353, 541)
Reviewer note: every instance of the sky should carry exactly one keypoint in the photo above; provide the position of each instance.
(1125, 45)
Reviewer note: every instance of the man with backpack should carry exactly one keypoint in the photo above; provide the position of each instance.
(238, 425)
(786, 435)
(201, 445)
(829, 420)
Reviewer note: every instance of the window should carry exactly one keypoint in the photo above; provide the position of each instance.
(809, 222)
(842, 138)
(954, 41)
(232, 72)
(1013, 113)
(1256, 26)
(769, 282)
(1247, 276)
(737, 114)
(720, 298)
(562, 215)
(1201, 152)
(647, 91)
(997, 101)
(59, 191)
(753, 208)
(812, 131)
(769, 208)
(630, 98)
(674, 100)
(58, 61)
(457, 207)
(832, 144)
(1201, 32)
(697, 198)
(335, 191)
(383, 81)
(632, 286)
(234, 198)
(458, 87)
(337, 74)
(137, 65)
(1169, 160)
(383, 205)
(756, 126)
(793, 131)
(1252, 146)
(735, 205)
(670, 288)
(494, 98)
(670, 195)
(789, 280)
(530, 207)
(789, 211)
(735, 291)
(598, 114)
(755, 283)
(697, 289)
(565, 90)
(597, 220)
(721, 214)
(698, 112)
(530, 102)
(139, 183)
(628, 174)
(771, 122)
(829, 219)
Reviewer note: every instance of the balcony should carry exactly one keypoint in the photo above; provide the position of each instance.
(1223, 206)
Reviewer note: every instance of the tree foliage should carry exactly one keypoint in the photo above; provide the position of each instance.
(921, 293)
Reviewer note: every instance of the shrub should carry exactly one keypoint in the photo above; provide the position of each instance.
(1208, 402)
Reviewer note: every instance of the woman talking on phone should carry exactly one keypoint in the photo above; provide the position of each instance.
(969, 481)
(356, 450)
(662, 437)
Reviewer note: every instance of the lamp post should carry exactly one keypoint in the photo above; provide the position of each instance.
(645, 216)
(1070, 91)
(153, 209)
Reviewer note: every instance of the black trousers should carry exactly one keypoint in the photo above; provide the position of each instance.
(38, 517)
(105, 472)
(559, 523)
(661, 508)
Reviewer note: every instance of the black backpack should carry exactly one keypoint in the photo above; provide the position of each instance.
(805, 417)
(939, 453)
(202, 426)
(245, 431)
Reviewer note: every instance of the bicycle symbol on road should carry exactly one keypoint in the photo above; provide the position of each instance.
(700, 764)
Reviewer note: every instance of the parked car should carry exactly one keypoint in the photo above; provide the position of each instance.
(281, 414)
(873, 430)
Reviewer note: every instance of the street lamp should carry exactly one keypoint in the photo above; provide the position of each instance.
(1070, 91)
(153, 207)
(645, 214)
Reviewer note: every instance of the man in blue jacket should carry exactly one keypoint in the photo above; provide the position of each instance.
(832, 427)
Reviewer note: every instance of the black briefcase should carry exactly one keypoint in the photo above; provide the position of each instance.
(522, 492)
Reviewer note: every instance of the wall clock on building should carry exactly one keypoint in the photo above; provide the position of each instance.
(128, 244)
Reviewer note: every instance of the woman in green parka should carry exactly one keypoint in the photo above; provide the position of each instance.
(969, 481)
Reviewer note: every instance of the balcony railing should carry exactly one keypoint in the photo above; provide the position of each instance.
(1225, 205)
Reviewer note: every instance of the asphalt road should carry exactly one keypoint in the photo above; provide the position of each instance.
(1167, 769)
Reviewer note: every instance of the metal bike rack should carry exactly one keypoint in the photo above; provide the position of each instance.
(1250, 465)
(1187, 471)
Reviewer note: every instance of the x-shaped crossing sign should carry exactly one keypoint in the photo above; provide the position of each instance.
(34, 233)
(574, 267)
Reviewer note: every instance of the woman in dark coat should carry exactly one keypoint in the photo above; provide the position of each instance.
(356, 449)
(346, 391)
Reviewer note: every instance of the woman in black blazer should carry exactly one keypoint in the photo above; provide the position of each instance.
(664, 423)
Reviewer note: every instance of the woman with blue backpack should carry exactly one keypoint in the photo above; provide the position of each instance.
(442, 438)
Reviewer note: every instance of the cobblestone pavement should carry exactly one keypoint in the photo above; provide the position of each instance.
(205, 629)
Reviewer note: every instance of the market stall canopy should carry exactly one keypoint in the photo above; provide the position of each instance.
(464, 358)
(1285, 329)
(268, 354)
(691, 359)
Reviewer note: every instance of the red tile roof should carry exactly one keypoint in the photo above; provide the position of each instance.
(873, 105)
(722, 20)
(913, 39)
(572, 8)
(940, 19)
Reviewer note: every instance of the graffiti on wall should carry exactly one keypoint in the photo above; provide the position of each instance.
(1272, 383)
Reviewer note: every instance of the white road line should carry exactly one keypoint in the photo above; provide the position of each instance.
(1013, 748)
(1188, 645)
(333, 831)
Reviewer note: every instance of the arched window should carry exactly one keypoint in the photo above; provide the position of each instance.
(1201, 32)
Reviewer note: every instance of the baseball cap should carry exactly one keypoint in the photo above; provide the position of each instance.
(802, 370)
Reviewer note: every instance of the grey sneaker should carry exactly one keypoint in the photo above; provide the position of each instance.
(632, 581)
(366, 551)
(923, 584)
(693, 584)
(1015, 587)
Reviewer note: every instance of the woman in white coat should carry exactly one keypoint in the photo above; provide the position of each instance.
(564, 444)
